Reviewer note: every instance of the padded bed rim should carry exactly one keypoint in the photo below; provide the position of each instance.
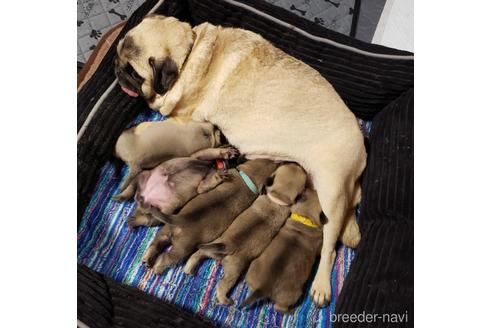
(356, 47)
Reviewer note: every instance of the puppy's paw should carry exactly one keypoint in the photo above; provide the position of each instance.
(282, 308)
(189, 269)
(224, 175)
(321, 290)
(160, 264)
(158, 269)
(224, 300)
(132, 222)
(229, 152)
(149, 257)
(119, 198)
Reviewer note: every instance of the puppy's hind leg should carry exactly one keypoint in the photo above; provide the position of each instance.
(232, 271)
(126, 193)
(178, 252)
(193, 261)
(142, 219)
(215, 250)
(132, 174)
(282, 308)
(161, 240)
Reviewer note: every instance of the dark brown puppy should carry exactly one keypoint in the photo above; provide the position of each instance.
(253, 229)
(206, 216)
(173, 183)
(148, 144)
(284, 267)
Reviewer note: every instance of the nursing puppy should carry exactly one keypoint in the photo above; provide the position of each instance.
(265, 102)
(173, 183)
(206, 216)
(148, 144)
(284, 267)
(253, 229)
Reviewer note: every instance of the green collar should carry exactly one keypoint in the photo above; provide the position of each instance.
(247, 180)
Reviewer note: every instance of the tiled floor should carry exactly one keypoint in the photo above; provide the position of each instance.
(334, 14)
(96, 17)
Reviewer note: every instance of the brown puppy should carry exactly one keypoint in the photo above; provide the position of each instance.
(264, 101)
(206, 216)
(253, 229)
(173, 183)
(148, 144)
(284, 267)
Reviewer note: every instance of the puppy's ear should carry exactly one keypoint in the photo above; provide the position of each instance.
(165, 74)
(263, 190)
(269, 180)
(241, 159)
(322, 218)
(301, 197)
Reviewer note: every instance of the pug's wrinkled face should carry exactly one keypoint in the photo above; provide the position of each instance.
(150, 57)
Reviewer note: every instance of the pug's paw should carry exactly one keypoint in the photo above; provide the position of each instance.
(321, 290)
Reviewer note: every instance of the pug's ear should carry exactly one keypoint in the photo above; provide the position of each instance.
(165, 74)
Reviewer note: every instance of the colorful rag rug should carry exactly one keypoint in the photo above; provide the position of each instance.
(107, 245)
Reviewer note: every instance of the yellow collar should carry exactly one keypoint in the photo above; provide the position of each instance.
(303, 219)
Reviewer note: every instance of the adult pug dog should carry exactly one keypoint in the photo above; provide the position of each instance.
(266, 103)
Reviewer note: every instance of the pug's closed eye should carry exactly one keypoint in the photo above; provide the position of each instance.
(130, 71)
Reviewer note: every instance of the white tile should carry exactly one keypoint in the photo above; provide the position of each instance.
(87, 55)
(81, 58)
(114, 15)
(86, 43)
(83, 29)
(108, 4)
(395, 28)
(82, 13)
(99, 22)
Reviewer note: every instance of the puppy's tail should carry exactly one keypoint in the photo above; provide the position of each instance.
(166, 218)
(215, 248)
(253, 297)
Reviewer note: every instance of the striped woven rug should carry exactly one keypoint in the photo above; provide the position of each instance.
(107, 245)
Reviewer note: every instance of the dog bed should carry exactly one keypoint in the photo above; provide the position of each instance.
(106, 244)
(368, 77)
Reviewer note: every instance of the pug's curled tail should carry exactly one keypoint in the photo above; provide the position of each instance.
(253, 297)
